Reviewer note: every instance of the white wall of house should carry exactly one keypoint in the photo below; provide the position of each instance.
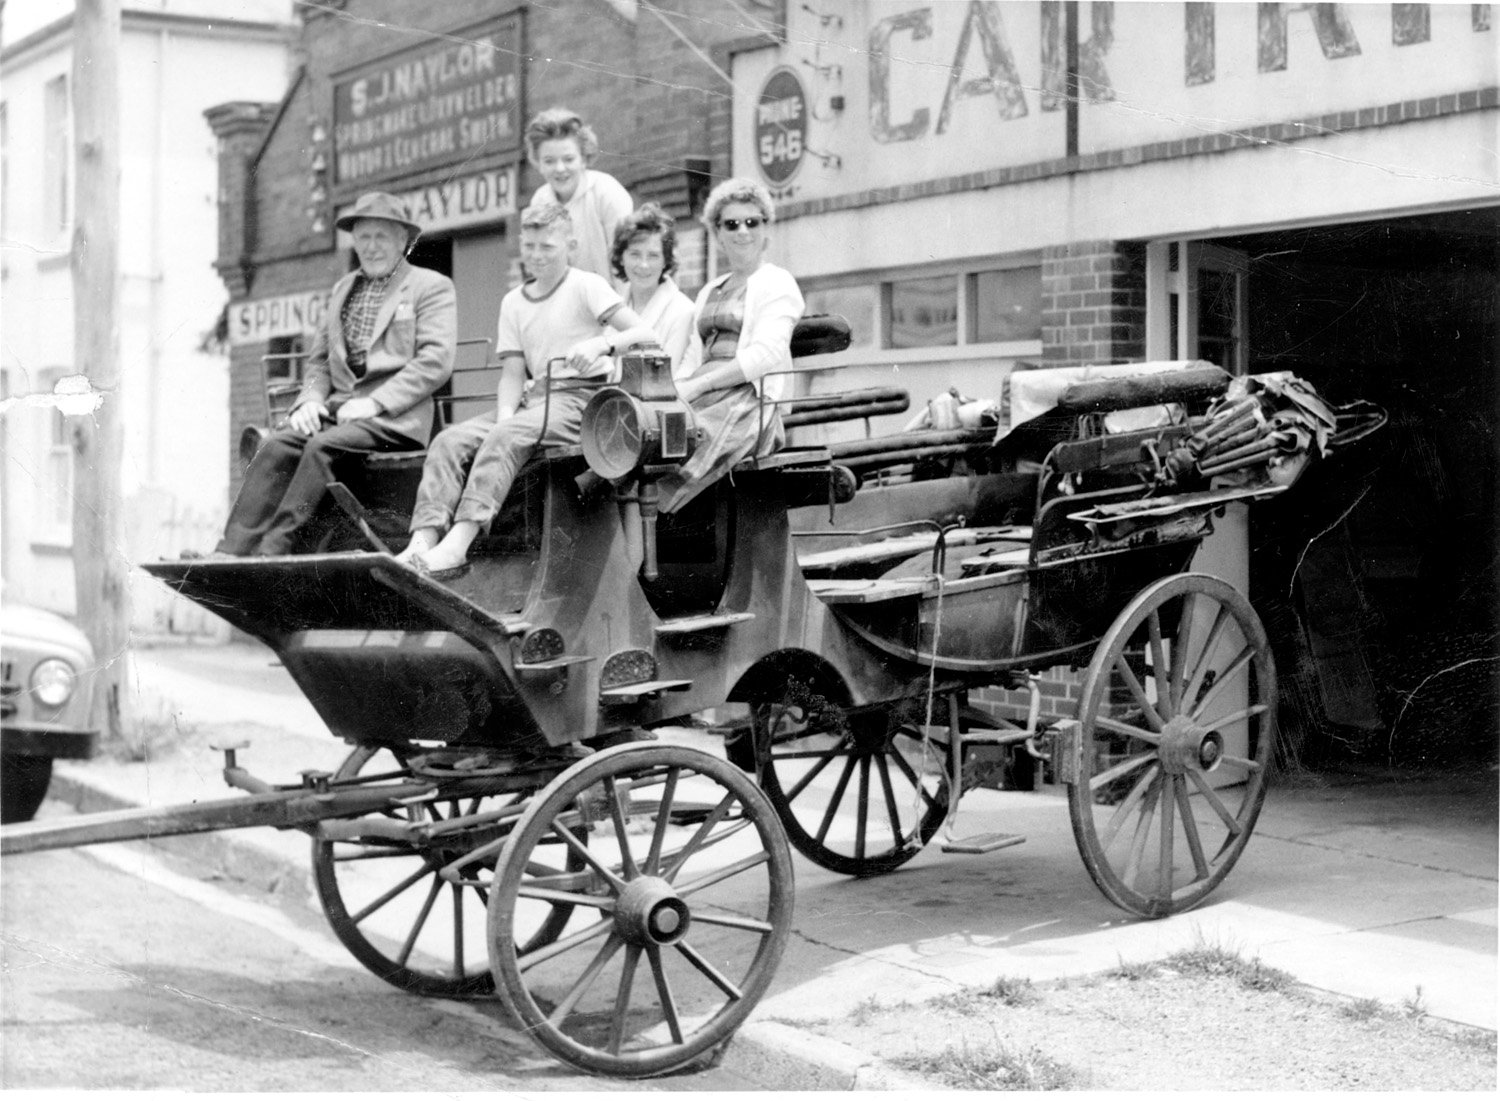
(176, 60)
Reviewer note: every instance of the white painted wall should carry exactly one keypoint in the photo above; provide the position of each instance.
(174, 396)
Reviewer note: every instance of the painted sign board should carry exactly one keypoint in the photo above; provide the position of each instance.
(949, 87)
(258, 320)
(456, 99)
(781, 126)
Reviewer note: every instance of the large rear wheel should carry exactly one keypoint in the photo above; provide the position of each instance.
(1176, 730)
(680, 915)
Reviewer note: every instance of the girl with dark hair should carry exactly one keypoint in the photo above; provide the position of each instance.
(643, 258)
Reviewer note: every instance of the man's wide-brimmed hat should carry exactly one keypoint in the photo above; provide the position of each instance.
(379, 204)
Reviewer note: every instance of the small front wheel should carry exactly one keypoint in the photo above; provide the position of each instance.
(681, 912)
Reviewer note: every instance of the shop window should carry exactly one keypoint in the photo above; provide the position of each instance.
(283, 363)
(55, 133)
(855, 304)
(56, 505)
(923, 313)
(1006, 305)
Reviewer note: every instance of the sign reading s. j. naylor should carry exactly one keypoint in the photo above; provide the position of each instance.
(456, 99)
(260, 319)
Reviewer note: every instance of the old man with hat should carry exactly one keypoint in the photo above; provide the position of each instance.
(385, 345)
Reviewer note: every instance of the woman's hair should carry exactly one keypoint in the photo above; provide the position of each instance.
(648, 219)
(560, 122)
(737, 190)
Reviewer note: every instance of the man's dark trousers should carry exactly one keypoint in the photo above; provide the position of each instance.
(288, 479)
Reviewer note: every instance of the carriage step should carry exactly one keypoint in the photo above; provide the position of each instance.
(982, 843)
(693, 624)
(646, 689)
(562, 661)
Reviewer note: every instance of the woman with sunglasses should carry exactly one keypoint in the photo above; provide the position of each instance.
(742, 331)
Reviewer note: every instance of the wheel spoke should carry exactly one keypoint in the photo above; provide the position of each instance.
(422, 915)
(1205, 657)
(663, 817)
(582, 850)
(611, 945)
(1180, 647)
(889, 793)
(696, 842)
(617, 815)
(1159, 666)
(1116, 820)
(911, 776)
(664, 992)
(1190, 828)
(1241, 762)
(709, 971)
(835, 800)
(1235, 716)
(734, 921)
(809, 776)
(1164, 856)
(1133, 683)
(1119, 726)
(862, 808)
(565, 898)
(458, 928)
(1230, 823)
(398, 889)
(1138, 840)
(558, 947)
(718, 875)
(1125, 767)
(829, 754)
(1241, 661)
(622, 997)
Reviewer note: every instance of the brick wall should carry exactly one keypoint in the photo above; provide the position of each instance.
(1093, 303)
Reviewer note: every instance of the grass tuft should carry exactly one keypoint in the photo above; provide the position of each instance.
(1363, 1009)
(993, 1068)
(1415, 1006)
(156, 730)
(865, 1010)
(1133, 972)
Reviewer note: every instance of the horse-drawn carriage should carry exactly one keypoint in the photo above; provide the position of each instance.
(522, 811)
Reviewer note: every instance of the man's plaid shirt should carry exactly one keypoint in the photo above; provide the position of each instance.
(358, 317)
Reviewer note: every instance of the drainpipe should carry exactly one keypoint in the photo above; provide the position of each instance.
(154, 395)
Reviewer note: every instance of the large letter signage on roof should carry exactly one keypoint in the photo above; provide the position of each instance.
(454, 99)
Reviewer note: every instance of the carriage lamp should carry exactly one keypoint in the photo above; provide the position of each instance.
(641, 428)
(52, 682)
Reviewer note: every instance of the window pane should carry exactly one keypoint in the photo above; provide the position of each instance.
(855, 305)
(1008, 305)
(55, 153)
(924, 312)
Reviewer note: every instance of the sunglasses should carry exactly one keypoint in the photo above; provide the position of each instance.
(733, 224)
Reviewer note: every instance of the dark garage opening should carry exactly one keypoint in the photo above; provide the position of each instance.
(1378, 583)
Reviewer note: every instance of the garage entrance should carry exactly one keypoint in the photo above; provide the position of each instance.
(1377, 578)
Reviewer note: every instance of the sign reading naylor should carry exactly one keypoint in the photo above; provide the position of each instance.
(464, 201)
(260, 319)
(456, 99)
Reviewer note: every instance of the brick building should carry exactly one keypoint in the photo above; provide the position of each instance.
(649, 78)
(1312, 187)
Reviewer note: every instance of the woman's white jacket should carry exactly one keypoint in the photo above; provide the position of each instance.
(773, 304)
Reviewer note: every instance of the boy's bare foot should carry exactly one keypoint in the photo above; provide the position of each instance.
(441, 559)
(417, 549)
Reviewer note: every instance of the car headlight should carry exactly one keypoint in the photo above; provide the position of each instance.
(52, 682)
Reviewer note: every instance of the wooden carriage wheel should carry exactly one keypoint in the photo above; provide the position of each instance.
(1177, 724)
(680, 916)
(388, 904)
(860, 793)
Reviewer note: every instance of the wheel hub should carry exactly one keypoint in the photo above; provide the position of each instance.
(1186, 745)
(649, 911)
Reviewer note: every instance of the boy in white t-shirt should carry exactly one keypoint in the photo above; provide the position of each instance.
(556, 317)
(561, 146)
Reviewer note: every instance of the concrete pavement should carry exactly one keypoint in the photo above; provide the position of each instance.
(1362, 885)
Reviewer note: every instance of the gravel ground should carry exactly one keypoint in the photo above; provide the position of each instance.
(1201, 1020)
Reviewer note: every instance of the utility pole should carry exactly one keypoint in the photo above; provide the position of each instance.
(100, 569)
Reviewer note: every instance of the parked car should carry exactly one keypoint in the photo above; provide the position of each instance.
(46, 697)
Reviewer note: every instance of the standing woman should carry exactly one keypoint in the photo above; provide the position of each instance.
(561, 147)
(742, 331)
(644, 258)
